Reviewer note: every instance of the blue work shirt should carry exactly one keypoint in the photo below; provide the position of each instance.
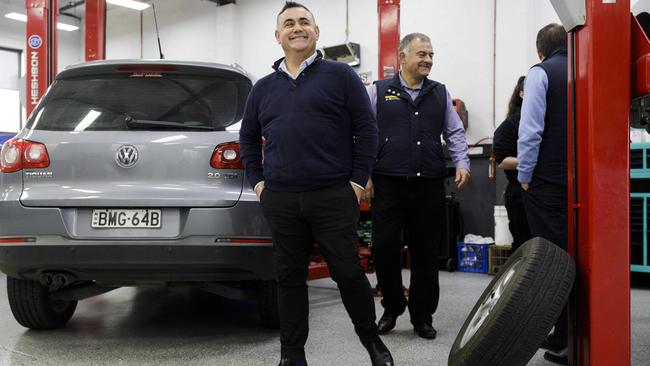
(531, 125)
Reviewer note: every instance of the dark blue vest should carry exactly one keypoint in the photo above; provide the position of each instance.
(552, 160)
(409, 130)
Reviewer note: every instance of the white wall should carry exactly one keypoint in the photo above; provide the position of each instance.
(12, 35)
(517, 25)
(462, 38)
(462, 33)
(259, 49)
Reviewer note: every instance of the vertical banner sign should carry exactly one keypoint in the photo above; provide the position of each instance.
(40, 49)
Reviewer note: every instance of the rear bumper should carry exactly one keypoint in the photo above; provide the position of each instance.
(243, 219)
(192, 251)
(140, 262)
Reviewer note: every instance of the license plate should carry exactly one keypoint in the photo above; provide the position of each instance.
(126, 218)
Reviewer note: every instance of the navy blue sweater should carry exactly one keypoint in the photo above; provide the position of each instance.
(319, 129)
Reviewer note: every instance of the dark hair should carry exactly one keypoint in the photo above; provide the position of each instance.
(405, 43)
(515, 100)
(293, 4)
(551, 38)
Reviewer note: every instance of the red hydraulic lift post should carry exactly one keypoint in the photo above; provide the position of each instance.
(388, 37)
(599, 192)
(41, 48)
(95, 30)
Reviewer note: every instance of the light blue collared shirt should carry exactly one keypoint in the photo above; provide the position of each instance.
(310, 60)
(453, 131)
(531, 124)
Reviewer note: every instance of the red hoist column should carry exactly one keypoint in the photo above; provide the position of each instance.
(599, 183)
(95, 30)
(388, 37)
(41, 48)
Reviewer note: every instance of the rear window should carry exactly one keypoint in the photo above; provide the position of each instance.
(161, 101)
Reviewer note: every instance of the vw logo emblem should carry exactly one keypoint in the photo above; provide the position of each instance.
(127, 156)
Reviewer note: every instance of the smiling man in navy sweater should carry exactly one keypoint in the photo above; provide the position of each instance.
(321, 137)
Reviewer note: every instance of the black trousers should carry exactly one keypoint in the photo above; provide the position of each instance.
(518, 223)
(416, 206)
(547, 209)
(328, 217)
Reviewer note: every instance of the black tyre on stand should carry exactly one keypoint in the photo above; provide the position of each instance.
(33, 306)
(518, 309)
(268, 304)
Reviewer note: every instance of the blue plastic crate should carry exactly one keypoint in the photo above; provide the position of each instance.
(473, 257)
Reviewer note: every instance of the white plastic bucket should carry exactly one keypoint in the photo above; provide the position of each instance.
(502, 235)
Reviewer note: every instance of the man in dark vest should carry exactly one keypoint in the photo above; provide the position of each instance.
(320, 145)
(542, 156)
(407, 182)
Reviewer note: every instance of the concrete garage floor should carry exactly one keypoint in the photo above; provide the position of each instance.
(179, 326)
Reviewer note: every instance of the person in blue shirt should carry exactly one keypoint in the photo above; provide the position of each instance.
(505, 153)
(542, 156)
(320, 138)
(407, 185)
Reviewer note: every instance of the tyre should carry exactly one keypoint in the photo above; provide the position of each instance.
(268, 304)
(33, 307)
(516, 312)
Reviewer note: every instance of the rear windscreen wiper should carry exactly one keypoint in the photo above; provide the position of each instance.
(135, 123)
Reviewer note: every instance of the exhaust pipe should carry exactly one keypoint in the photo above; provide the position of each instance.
(60, 280)
(45, 279)
(55, 281)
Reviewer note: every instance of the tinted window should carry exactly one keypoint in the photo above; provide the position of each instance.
(106, 102)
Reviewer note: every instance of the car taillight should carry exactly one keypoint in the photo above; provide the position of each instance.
(23, 154)
(226, 156)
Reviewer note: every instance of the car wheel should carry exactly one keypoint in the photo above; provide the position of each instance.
(518, 309)
(33, 306)
(268, 304)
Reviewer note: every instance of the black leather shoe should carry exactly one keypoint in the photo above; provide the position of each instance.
(554, 343)
(386, 323)
(292, 362)
(560, 357)
(379, 353)
(425, 330)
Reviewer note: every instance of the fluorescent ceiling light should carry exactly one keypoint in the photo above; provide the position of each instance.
(23, 18)
(16, 16)
(131, 4)
(66, 27)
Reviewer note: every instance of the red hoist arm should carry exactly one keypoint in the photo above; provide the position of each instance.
(599, 192)
(388, 37)
(95, 30)
(41, 49)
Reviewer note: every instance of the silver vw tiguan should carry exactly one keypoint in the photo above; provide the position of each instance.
(126, 175)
